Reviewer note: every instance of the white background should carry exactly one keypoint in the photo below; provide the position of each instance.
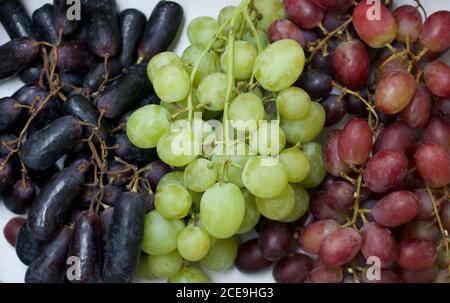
(11, 269)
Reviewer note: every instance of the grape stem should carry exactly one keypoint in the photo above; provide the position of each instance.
(356, 211)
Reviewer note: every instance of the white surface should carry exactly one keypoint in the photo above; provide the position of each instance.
(11, 269)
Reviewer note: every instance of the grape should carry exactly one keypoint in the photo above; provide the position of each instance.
(143, 269)
(279, 207)
(209, 64)
(385, 170)
(396, 136)
(173, 201)
(351, 64)
(189, 275)
(279, 65)
(343, 194)
(165, 266)
(394, 92)
(200, 175)
(156, 172)
(160, 234)
(326, 274)
(246, 107)
(335, 110)
(409, 23)
(161, 60)
(268, 140)
(265, 177)
(437, 132)
(377, 241)
(301, 204)
(435, 34)
(426, 275)
(386, 276)
(433, 164)
(417, 113)
(314, 234)
(222, 209)
(333, 163)
(322, 210)
(193, 243)
(426, 211)
(317, 173)
(201, 31)
(252, 214)
(221, 255)
(11, 230)
(421, 230)
(244, 57)
(445, 216)
(375, 31)
(226, 14)
(437, 78)
(334, 5)
(250, 38)
(355, 142)
(443, 109)
(178, 148)
(285, 29)
(147, 125)
(333, 20)
(270, 10)
(323, 61)
(234, 165)
(294, 103)
(416, 254)
(307, 129)
(396, 209)
(316, 83)
(292, 269)
(296, 164)
(353, 104)
(171, 83)
(212, 91)
(304, 13)
(175, 177)
(249, 258)
(340, 247)
(275, 240)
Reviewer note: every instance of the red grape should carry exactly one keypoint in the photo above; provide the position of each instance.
(314, 234)
(445, 216)
(333, 20)
(395, 91)
(250, 258)
(433, 163)
(438, 132)
(334, 109)
(396, 136)
(426, 211)
(321, 208)
(416, 254)
(333, 163)
(323, 273)
(275, 240)
(417, 113)
(293, 269)
(378, 241)
(304, 13)
(384, 69)
(421, 230)
(435, 34)
(11, 230)
(285, 29)
(340, 247)
(386, 276)
(437, 78)
(343, 194)
(375, 31)
(426, 275)
(351, 64)
(396, 209)
(355, 142)
(409, 22)
(443, 109)
(334, 5)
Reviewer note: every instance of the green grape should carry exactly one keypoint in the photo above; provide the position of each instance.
(305, 130)
(147, 125)
(221, 255)
(294, 103)
(226, 14)
(173, 201)
(165, 266)
(244, 57)
(252, 213)
(301, 204)
(143, 270)
(269, 139)
(279, 65)
(296, 164)
(233, 163)
(212, 91)
(247, 107)
(209, 64)
(178, 148)
(160, 234)
(201, 31)
(270, 10)
(250, 38)
(174, 177)
(193, 243)
(222, 210)
(265, 177)
(278, 207)
(318, 172)
(189, 275)
(172, 83)
(161, 60)
(200, 175)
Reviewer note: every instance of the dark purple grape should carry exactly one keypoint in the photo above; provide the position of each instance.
(72, 82)
(156, 171)
(20, 196)
(32, 76)
(250, 259)
(275, 240)
(74, 56)
(343, 194)
(111, 194)
(43, 19)
(96, 75)
(321, 208)
(335, 110)
(9, 113)
(27, 245)
(118, 174)
(437, 132)
(106, 219)
(127, 151)
(292, 269)
(354, 105)
(421, 230)
(11, 230)
(42, 177)
(333, 20)
(396, 136)
(16, 55)
(6, 174)
(323, 62)
(443, 109)
(316, 83)
(149, 199)
(15, 20)
(132, 25)
(61, 21)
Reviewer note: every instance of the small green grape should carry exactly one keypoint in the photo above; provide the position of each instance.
(189, 275)
(221, 255)
(318, 172)
(250, 38)
(212, 91)
(247, 107)
(296, 164)
(143, 270)
(294, 103)
(278, 207)
(252, 214)
(165, 266)
(301, 204)
(270, 10)
(178, 148)
(193, 243)
(173, 201)
(200, 175)
(269, 139)
(210, 63)
(161, 60)
(244, 57)
(172, 83)
(201, 31)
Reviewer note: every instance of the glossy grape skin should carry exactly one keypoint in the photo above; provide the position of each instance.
(296, 164)
(334, 109)
(209, 64)
(304, 13)
(275, 240)
(250, 259)
(416, 254)
(355, 142)
(313, 235)
(244, 57)
(333, 20)
(421, 230)
(155, 173)
(409, 23)
(172, 83)
(378, 241)
(165, 266)
(340, 247)
(316, 83)
(27, 245)
(325, 274)
(426, 275)
(323, 61)
(375, 32)
(161, 60)
(247, 107)
(433, 164)
(285, 29)
(333, 163)
(19, 198)
(396, 209)
(189, 275)
(201, 30)
(301, 206)
(334, 5)
(435, 34)
(292, 269)
(193, 243)
(437, 132)
(221, 255)
(173, 201)
(426, 210)
(396, 136)
(11, 230)
(437, 78)
(351, 64)
(343, 194)
(417, 113)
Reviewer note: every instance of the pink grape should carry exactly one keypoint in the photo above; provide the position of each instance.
(333, 163)
(285, 29)
(386, 276)
(435, 34)
(340, 247)
(426, 275)
(396, 209)
(409, 22)
(321, 208)
(378, 241)
(304, 13)
(416, 254)
(343, 193)
(355, 142)
(433, 164)
(426, 210)
(334, 5)
(443, 109)
(323, 273)
(437, 78)
(314, 234)
(396, 136)
(438, 132)
(417, 113)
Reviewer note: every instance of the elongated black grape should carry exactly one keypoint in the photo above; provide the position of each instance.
(54, 203)
(49, 266)
(126, 92)
(127, 151)
(62, 24)
(20, 196)
(31, 76)
(106, 218)
(6, 174)
(9, 112)
(111, 194)
(42, 177)
(27, 245)
(125, 234)
(71, 81)
(96, 74)
(43, 148)
(103, 27)
(43, 19)
(15, 20)
(74, 56)
(132, 25)
(87, 246)
(161, 30)
(16, 55)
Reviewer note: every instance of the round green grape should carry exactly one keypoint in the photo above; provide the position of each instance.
(201, 31)
(250, 38)
(173, 201)
(268, 140)
(172, 83)
(210, 63)
(269, 10)
(318, 172)
(296, 164)
(278, 207)
(244, 57)
(247, 107)
(200, 175)
(160, 60)
(212, 91)
(301, 204)
(221, 255)
(193, 243)
(143, 270)
(189, 275)
(165, 266)
(178, 148)
(294, 103)
(252, 214)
